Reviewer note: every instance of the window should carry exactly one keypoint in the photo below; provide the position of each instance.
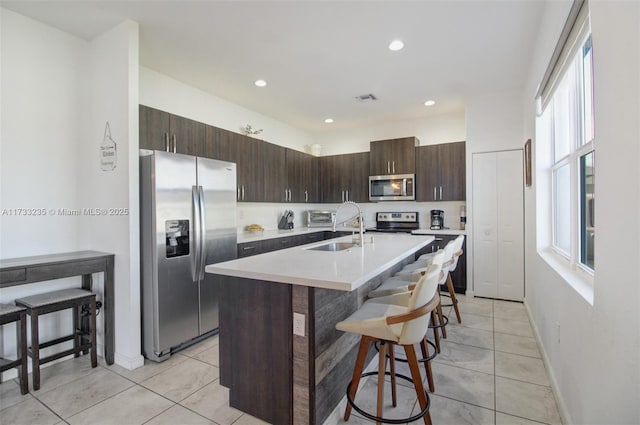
(568, 117)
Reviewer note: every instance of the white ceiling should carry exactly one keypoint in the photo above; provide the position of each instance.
(317, 56)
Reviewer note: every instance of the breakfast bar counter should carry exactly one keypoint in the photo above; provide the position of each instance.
(280, 354)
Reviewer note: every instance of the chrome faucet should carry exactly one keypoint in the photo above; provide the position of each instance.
(359, 215)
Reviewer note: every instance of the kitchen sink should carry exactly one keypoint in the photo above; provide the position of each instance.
(333, 246)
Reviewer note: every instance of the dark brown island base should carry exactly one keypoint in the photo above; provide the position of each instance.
(280, 354)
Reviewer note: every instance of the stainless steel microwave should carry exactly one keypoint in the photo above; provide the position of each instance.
(399, 187)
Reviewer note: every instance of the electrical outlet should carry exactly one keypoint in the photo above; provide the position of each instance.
(558, 332)
(298, 324)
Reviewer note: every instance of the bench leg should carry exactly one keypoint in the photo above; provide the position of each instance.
(21, 339)
(94, 348)
(77, 339)
(35, 350)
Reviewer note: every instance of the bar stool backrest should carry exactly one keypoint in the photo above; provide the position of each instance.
(449, 250)
(457, 248)
(413, 331)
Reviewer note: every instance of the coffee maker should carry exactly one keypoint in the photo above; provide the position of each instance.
(437, 219)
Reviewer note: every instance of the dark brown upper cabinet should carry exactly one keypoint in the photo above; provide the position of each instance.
(161, 130)
(302, 177)
(275, 173)
(345, 177)
(248, 155)
(393, 156)
(441, 172)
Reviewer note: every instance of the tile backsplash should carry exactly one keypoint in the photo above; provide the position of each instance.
(268, 214)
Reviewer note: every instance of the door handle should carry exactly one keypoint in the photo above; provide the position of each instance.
(243, 192)
(441, 193)
(347, 197)
(203, 232)
(393, 164)
(238, 190)
(174, 143)
(306, 196)
(342, 196)
(388, 168)
(195, 229)
(286, 195)
(166, 142)
(435, 198)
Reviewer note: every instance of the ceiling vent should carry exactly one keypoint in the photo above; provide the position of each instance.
(366, 98)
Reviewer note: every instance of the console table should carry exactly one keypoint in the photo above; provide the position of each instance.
(40, 268)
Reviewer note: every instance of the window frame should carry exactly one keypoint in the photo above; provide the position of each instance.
(577, 116)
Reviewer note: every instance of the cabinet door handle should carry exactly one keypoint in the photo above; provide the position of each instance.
(435, 198)
(388, 168)
(243, 192)
(306, 196)
(342, 193)
(174, 143)
(286, 195)
(248, 248)
(238, 197)
(347, 197)
(441, 193)
(393, 164)
(166, 142)
(289, 195)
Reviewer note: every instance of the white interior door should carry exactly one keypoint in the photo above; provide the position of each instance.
(485, 242)
(498, 225)
(510, 225)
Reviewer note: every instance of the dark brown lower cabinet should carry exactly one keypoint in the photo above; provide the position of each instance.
(247, 249)
(459, 276)
(256, 347)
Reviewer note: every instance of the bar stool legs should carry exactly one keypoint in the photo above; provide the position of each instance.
(365, 342)
(454, 300)
(386, 348)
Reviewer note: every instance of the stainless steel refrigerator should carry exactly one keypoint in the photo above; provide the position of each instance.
(187, 220)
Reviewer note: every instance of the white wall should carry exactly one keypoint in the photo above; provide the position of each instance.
(113, 73)
(595, 368)
(429, 130)
(162, 92)
(494, 122)
(57, 93)
(43, 95)
(44, 80)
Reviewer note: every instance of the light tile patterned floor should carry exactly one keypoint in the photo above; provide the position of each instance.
(489, 372)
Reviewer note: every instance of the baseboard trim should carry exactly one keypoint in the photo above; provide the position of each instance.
(562, 407)
(129, 362)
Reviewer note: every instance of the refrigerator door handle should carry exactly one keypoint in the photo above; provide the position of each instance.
(203, 235)
(197, 230)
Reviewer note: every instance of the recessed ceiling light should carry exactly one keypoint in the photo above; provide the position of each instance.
(329, 120)
(396, 45)
(260, 83)
(429, 103)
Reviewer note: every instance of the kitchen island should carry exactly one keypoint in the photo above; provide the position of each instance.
(280, 354)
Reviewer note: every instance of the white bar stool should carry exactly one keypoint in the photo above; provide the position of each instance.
(389, 325)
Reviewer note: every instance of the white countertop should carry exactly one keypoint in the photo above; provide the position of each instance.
(342, 270)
